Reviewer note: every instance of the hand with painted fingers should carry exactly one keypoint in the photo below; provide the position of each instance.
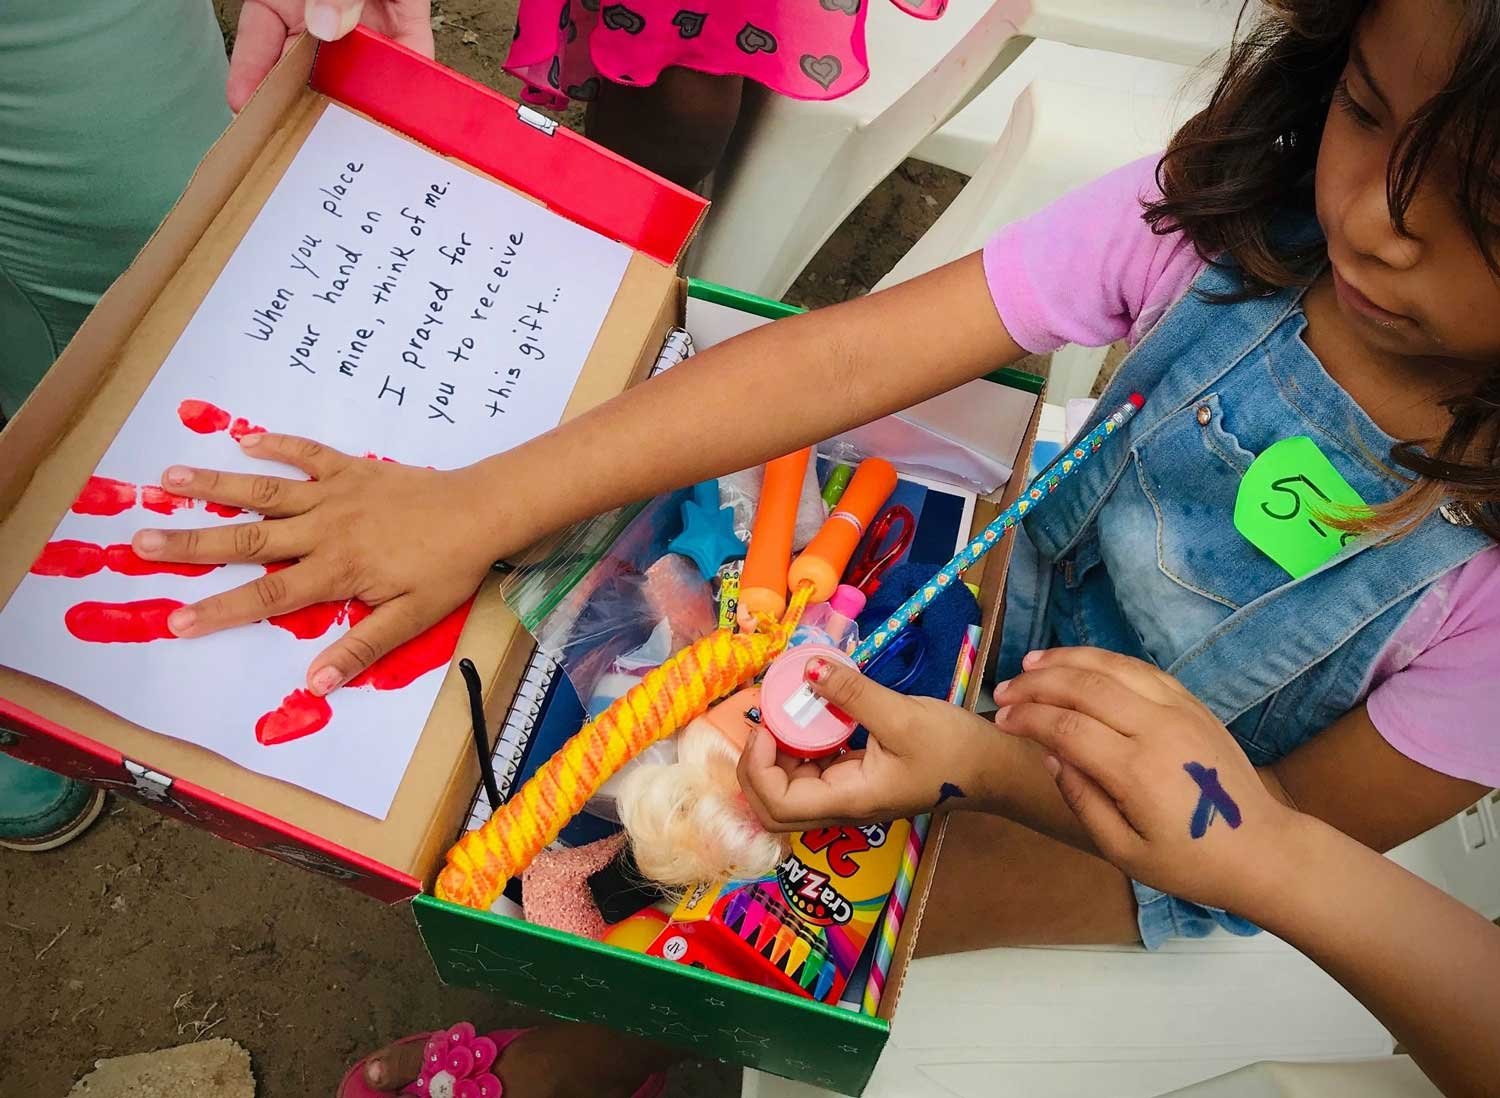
(1158, 782)
(922, 754)
(409, 543)
(267, 29)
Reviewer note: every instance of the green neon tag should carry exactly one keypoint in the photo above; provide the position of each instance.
(1284, 500)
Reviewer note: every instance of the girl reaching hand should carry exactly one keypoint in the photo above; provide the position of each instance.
(1314, 258)
(1422, 962)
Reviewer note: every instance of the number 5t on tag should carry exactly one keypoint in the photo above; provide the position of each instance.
(1284, 501)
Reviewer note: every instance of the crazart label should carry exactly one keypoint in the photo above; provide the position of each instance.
(839, 876)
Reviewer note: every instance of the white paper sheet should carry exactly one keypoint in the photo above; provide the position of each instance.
(326, 323)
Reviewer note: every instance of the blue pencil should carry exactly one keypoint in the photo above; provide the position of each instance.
(1062, 466)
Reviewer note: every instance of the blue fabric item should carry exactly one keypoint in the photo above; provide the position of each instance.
(1138, 552)
(925, 669)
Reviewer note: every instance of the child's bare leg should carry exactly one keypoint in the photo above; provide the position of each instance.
(562, 1060)
(999, 884)
(677, 127)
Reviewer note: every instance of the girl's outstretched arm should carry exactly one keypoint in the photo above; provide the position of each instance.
(415, 543)
(1167, 795)
(769, 392)
(1424, 964)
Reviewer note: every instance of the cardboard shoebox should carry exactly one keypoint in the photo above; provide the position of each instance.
(53, 445)
(787, 1035)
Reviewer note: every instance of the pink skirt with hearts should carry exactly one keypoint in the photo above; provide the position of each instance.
(806, 49)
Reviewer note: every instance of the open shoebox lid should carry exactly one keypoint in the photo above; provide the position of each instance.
(55, 442)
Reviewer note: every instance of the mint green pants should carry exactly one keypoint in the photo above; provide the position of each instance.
(106, 106)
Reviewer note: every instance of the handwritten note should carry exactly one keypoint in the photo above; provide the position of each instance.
(384, 301)
(1285, 500)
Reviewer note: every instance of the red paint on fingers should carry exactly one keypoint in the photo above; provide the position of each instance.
(76, 559)
(425, 652)
(121, 622)
(104, 496)
(299, 714)
(123, 559)
(70, 559)
(242, 427)
(311, 621)
(206, 419)
(162, 501)
(202, 417)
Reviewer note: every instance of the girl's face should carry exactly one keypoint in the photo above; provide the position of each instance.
(1430, 293)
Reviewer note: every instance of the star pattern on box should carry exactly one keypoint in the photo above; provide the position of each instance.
(483, 959)
(591, 983)
(713, 1002)
(851, 1049)
(558, 990)
(741, 1036)
(799, 1065)
(662, 1009)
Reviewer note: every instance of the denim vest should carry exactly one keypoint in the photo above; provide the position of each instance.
(1137, 552)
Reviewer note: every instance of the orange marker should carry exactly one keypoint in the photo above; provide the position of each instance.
(763, 580)
(828, 554)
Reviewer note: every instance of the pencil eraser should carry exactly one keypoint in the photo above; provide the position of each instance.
(1138, 400)
(802, 723)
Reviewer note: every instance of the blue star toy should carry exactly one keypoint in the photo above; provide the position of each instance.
(707, 537)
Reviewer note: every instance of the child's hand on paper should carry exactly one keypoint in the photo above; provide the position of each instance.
(411, 543)
(1158, 782)
(921, 753)
(267, 29)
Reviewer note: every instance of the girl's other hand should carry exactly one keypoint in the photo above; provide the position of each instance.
(267, 29)
(1161, 786)
(411, 543)
(921, 753)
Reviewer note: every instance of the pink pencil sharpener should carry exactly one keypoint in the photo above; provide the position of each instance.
(802, 723)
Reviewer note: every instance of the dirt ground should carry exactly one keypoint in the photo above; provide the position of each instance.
(146, 933)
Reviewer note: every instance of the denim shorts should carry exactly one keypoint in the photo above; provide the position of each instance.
(1162, 917)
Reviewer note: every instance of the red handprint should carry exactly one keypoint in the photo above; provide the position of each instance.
(301, 713)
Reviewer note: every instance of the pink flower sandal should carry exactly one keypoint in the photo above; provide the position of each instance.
(456, 1063)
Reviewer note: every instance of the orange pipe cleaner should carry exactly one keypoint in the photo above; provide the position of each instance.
(661, 704)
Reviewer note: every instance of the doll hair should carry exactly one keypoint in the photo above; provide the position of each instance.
(1238, 167)
(687, 821)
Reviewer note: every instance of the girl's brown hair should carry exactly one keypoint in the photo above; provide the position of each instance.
(1246, 163)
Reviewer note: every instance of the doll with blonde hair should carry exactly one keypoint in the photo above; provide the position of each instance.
(687, 821)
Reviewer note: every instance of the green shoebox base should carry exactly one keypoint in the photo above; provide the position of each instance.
(579, 980)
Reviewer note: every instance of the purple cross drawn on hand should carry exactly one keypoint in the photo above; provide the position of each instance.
(1212, 800)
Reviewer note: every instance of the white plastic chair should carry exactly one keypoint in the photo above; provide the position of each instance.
(799, 168)
(964, 142)
(1381, 1077)
(1059, 136)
